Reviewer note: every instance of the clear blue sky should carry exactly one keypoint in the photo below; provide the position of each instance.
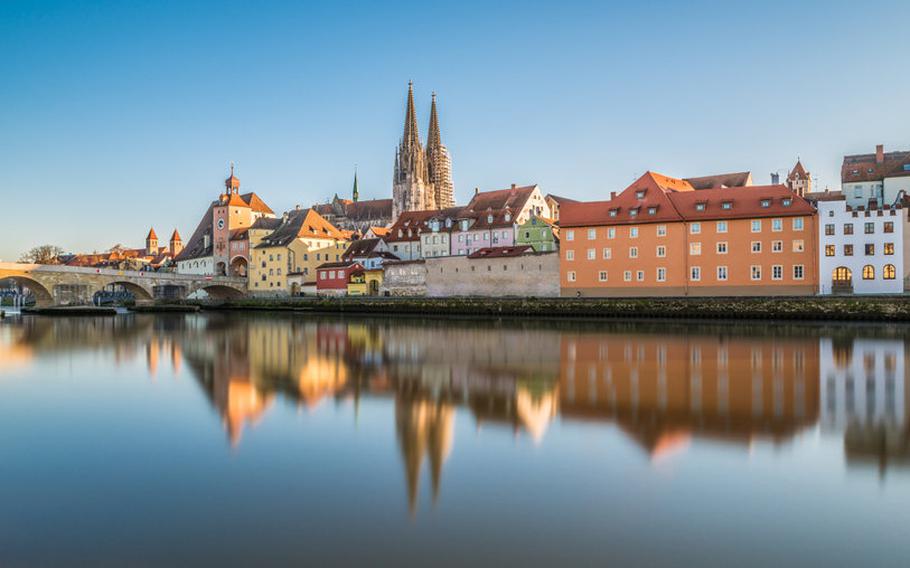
(115, 116)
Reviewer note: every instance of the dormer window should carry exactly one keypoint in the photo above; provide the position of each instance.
(410, 233)
(786, 202)
(614, 212)
(640, 194)
(508, 217)
(490, 218)
(448, 223)
(399, 233)
(464, 225)
(726, 205)
(766, 203)
(699, 206)
(633, 212)
(652, 210)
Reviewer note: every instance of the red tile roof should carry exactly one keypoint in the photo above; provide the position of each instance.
(513, 198)
(657, 198)
(175, 236)
(864, 167)
(256, 203)
(301, 223)
(152, 234)
(735, 179)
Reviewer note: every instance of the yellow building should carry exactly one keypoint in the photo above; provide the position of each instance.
(302, 241)
(365, 282)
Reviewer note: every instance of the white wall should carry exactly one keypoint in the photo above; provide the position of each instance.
(202, 266)
(835, 212)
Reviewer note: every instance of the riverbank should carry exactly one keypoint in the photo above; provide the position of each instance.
(882, 308)
(70, 311)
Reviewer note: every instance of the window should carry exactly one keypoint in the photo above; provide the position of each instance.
(633, 212)
(798, 272)
(870, 249)
(726, 205)
(829, 250)
(888, 272)
(640, 194)
(661, 274)
(756, 246)
(652, 210)
(786, 201)
(570, 276)
(592, 254)
(777, 225)
(640, 275)
(611, 233)
(755, 271)
(765, 203)
(627, 276)
(614, 212)
(661, 251)
(798, 224)
(889, 226)
(848, 250)
(570, 255)
(695, 228)
(848, 228)
(633, 252)
(777, 272)
(756, 226)
(602, 276)
(699, 206)
(694, 249)
(889, 249)
(570, 235)
(695, 273)
(592, 234)
(661, 230)
(722, 273)
(721, 226)
(777, 246)
(870, 228)
(633, 232)
(722, 247)
(868, 272)
(829, 229)
(332, 274)
(608, 253)
(799, 246)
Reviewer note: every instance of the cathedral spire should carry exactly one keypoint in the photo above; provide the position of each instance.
(411, 136)
(355, 194)
(434, 140)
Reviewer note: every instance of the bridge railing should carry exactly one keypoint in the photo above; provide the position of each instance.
(170, 276)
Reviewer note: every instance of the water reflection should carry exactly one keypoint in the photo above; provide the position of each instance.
(665, 386)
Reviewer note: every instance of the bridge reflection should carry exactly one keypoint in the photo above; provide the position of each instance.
(666, 386)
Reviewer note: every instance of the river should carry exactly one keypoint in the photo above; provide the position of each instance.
(216, 439)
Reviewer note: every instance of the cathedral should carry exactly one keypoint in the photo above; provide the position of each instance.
(423, 176)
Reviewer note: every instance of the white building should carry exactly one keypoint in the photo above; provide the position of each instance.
(861, 251)
(864, 394)
(879, 176)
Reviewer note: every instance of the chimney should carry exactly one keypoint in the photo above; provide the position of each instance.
(297, 207)
(476, 190)
(514, 186)
(612, 195)
(880, 154)
(775, 178)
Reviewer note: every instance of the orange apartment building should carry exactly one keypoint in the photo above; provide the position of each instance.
(662, 237)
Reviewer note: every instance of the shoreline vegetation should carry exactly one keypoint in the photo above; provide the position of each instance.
(837, 308)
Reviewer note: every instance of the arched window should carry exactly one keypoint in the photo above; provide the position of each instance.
(868, 272)
(888, 273)
(842, 274)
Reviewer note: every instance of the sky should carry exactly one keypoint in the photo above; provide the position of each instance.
(119, 116)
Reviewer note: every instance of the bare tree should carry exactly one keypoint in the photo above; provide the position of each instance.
(44, 254)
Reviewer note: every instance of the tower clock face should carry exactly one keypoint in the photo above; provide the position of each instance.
(220, 223)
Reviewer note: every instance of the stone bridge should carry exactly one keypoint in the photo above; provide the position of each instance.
(55, 285)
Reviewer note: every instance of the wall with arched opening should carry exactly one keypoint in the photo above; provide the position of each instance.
(138, 293)
(43, 297)
(239, 266)
(221, 292)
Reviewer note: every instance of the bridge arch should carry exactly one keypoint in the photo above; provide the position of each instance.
(140, 293)
(221, 292)
(239, 266)
(43, 297)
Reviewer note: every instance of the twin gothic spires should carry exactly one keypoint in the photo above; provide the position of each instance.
(423, 177)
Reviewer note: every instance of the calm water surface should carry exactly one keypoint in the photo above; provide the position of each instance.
(211, 439)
